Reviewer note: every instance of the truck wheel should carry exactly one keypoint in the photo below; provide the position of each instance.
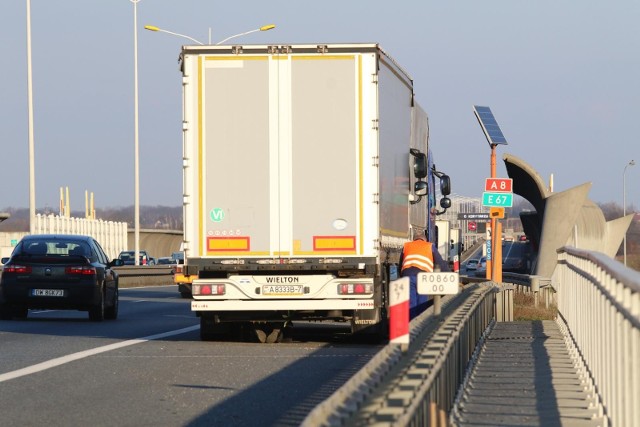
(207, 328)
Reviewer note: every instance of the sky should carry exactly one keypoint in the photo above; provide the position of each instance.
(560, 76)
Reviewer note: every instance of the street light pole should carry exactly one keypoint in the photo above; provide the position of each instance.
(160, 30)
(32, 174)
(136, 153)
(624, 206)
(263, 28)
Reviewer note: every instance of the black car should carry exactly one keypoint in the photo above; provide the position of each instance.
(128, 257)
(67, 272)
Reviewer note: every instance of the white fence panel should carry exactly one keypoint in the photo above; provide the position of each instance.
(111, 235)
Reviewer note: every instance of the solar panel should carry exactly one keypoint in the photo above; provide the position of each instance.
(489, 125)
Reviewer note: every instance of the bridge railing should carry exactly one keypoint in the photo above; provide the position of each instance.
(599, 301)
(419, 386)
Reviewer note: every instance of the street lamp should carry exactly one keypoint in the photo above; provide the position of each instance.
(136, 149)
(32, 174)
(263, 28)
(624, 206)
(160, 30)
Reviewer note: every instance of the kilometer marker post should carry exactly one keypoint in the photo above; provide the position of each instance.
(399, 312)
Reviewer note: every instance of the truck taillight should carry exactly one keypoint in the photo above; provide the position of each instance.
(355, 288)
(18, 269)
(208, 289)
(80, 270)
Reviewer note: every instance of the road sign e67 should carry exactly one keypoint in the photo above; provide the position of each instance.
(504, 200)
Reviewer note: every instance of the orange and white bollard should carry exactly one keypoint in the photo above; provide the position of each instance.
(399, 312)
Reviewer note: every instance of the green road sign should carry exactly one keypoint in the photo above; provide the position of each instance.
(504, 200)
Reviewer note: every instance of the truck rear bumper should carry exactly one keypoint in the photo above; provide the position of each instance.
(279, 305)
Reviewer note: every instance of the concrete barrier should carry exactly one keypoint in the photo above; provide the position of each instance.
(154, 275)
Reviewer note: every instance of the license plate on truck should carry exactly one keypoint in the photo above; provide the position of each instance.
(47, 292)
(281, 290)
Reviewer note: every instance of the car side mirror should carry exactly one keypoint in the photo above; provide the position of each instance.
(4, 260)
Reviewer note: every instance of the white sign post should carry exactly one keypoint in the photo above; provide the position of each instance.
(438, 283)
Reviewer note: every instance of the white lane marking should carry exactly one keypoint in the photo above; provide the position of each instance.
(91, 352)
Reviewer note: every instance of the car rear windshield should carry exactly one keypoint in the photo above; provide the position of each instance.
(53, 247)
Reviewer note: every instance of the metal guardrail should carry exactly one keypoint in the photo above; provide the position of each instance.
(417, 387)
(599, 307)
(148, 275)
(599, 301)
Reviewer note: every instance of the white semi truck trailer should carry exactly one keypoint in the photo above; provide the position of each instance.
(306, 168)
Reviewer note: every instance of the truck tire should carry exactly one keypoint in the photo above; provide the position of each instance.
(207, 328)
(376, 330)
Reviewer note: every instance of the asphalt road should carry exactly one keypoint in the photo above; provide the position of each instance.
(149, 368)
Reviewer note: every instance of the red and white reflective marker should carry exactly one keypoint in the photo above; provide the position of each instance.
(399, 311)
(456, 263)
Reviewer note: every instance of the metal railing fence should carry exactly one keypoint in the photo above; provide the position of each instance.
(599, 301)
(418, 387)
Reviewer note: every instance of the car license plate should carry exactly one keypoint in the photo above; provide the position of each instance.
(47, 292)
(282, 290)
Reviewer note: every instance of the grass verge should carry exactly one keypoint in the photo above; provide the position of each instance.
(524, 308)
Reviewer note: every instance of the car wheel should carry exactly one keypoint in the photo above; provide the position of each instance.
(6, 312)
(21, 312)
(96, 313)
(111, 312)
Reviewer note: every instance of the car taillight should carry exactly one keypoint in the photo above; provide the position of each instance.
(355, 288)
(18, 269)
(208, 289)
(80, 270)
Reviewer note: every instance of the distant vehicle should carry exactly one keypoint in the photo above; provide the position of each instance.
(128, 258)
(64, 272)
(472, 264)
(481, 269)
(165, 260)
(182, 280)
(516, 257)
(178, 257)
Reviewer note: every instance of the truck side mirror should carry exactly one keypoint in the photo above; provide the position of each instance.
(420, 188)
(445, 203)
(419, 165)
(445, 185)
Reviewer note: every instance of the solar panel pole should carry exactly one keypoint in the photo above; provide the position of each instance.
(496, 226)
(494, 136)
